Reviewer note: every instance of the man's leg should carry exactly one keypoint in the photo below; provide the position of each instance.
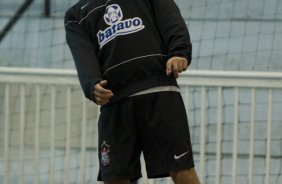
(188, 176)
(119, 145)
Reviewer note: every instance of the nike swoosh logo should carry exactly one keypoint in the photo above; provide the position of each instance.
(176, 157)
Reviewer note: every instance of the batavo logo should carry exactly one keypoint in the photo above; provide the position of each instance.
(113, 17)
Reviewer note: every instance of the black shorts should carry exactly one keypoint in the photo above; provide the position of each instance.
(154, 123)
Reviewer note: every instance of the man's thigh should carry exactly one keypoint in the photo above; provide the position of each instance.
(164, 131)
(119, 147)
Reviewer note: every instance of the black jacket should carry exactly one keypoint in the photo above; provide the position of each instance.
(126, 42)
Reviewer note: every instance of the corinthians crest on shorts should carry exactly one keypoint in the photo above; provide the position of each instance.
(113, 17)
(105, 150)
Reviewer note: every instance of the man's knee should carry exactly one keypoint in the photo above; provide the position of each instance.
(187, 176)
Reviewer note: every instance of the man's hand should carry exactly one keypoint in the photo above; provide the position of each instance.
(176, 65)
(101, 94)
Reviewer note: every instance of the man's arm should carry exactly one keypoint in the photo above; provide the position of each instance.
(175, 35)
(172, 28)
(83, 51)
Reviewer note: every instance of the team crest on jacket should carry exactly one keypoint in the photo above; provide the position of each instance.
(113, 17)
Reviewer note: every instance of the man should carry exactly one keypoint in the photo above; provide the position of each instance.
(128, 54)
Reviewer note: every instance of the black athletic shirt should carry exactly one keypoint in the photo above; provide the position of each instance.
(126, 42)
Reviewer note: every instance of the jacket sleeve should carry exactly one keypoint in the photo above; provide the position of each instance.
(84, 55)
(172, 28)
